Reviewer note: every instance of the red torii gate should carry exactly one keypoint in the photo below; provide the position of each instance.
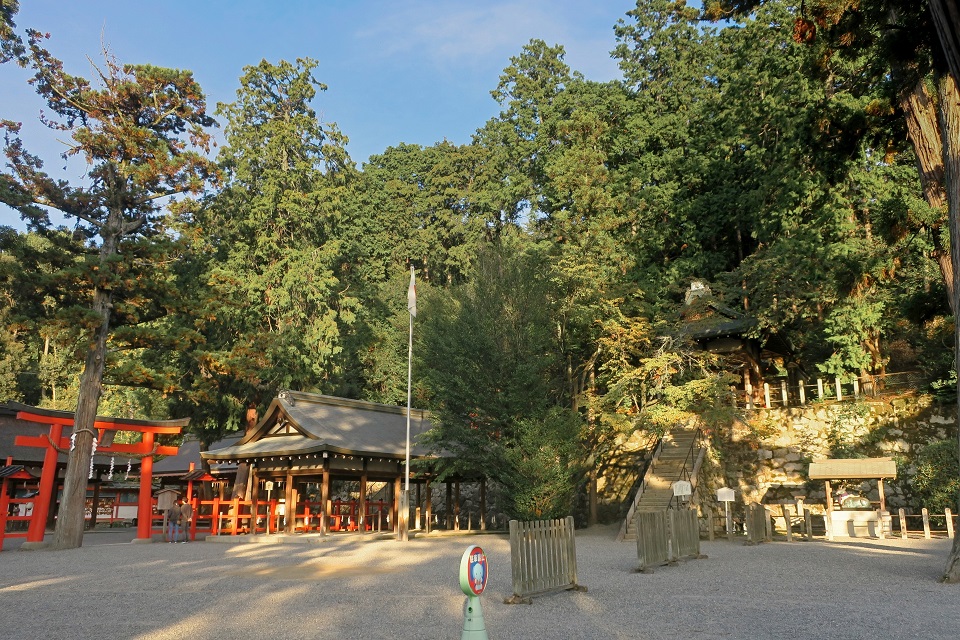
(54, 442)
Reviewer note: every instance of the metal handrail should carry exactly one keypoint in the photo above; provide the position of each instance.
(631, 512)
(685, 473)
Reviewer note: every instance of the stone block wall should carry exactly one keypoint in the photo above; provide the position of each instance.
(765, 457)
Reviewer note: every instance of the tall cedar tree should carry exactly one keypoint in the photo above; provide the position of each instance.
(139, 130)
(919, 44)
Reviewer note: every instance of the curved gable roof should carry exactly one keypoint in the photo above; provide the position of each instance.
(312, 423)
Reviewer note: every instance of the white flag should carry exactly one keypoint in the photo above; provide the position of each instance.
(412, 296)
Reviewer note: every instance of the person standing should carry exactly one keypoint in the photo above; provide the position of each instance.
(173, 521)
(186, 516)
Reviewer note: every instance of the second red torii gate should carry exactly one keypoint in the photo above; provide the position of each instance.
(55, 442)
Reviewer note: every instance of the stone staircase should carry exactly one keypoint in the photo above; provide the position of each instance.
(678, 447)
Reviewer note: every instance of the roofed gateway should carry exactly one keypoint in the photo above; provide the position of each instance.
(338, 462)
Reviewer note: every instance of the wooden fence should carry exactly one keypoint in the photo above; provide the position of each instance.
(781, 393)
(653, 541)
(543, 558)
(663, 537)
(756, 522)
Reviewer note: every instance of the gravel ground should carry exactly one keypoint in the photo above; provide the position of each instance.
(360, 587)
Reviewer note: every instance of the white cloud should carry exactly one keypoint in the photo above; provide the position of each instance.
(455, 35)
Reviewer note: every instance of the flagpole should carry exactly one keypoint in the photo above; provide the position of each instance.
(404, 519)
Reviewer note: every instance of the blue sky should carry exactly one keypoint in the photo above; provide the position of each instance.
(409, 71)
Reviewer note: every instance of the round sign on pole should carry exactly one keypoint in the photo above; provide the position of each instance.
(473, 571)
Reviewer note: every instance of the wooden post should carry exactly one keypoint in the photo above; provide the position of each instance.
(828, 518)
(483, 504)
(362, 514)
(747, 388)
(456, 506)
(766, 395)
(145, 498)
(883, 498)
(96, 501)
(903, 523)
(808, 524)
(416, 525)
(926, 523)
(820, 388)
(325, 497)
(803, 392)
(449, 511)
(290, 505)
(839, 390)
(429, 500)
(783, 391)
(395, 510)
(785, 512)
(949, 516)
(856, 388)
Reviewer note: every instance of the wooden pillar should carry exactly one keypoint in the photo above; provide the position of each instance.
(362, 513)
(829, 514)
(416, 524)
(747, 388)
(290, 505)
(783, 391)
(456, 506)
(449, 510)
(48, 480)
(766, 394)
(145, 497)
(190, 484)
(803, 392)
(883, 498)
(483, 504)
(395, 509)
(325, 496)
(96, 501)
(254, 494)
(429, 498)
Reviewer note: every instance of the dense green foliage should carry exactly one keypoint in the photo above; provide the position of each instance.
(552, 253)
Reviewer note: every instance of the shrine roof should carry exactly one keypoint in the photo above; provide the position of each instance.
(850, 468)
(301, 424)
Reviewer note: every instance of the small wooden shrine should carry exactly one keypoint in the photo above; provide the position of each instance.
(326, 463)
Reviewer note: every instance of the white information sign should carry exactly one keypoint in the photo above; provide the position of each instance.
(682, 488)
(725, 494)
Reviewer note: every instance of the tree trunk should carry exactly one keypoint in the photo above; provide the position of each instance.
(241, 486)
(950, 127)
(923, 127)
(946, 18)
(68, 533)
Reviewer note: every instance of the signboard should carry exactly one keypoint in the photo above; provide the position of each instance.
(473, 571)
(725, 495)
(682, 488)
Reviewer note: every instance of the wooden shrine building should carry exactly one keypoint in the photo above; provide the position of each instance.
(855, 513)
(323, 463)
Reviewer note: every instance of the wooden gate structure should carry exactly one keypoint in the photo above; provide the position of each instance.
(55, 443)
